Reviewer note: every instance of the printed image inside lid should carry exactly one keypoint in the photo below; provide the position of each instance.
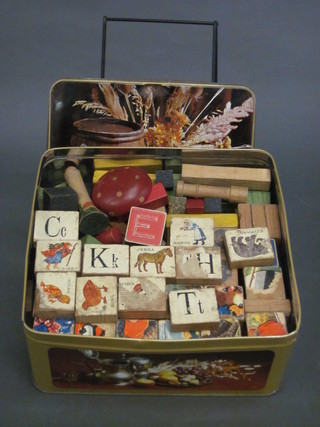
(161, 115)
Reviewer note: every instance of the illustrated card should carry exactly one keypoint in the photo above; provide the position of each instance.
(192, 231)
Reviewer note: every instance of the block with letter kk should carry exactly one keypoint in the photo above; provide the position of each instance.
(108, 260)
(193, 309)
(145, 226)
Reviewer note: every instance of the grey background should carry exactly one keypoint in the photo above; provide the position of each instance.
(272, 47)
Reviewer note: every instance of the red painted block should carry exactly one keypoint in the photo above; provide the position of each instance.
(145, 226)
(194, 206)
(157, 198)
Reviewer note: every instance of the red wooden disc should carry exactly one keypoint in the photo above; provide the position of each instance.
(120, 189)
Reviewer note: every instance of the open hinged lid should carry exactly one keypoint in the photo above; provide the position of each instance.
(144, 114)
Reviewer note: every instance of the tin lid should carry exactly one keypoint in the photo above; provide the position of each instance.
(150, 114)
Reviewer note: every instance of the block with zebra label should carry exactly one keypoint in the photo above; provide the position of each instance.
(152, 261)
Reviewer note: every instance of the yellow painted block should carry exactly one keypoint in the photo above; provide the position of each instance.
(99, 173)
(149, 165)
(221, 220)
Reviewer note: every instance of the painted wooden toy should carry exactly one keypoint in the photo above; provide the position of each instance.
(194, 206)
(56, 225)
(58, 255)
(107, 260)
(192, 231)
(152, 261)
(120, 189)
(157, 198)
(145, 226)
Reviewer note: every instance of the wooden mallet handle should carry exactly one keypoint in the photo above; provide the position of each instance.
(233, 194)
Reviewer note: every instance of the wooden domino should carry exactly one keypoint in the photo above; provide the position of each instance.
(190, 231)
(200, 265)
(193, 309)
(266, 324)
(264, 283)
(56, 225)
(248, 247)
(107, 260)
(152, 261)
(145, 226)
(142, 298)
(55, 295)
(96, 299)
(253, 178)
(58, 255)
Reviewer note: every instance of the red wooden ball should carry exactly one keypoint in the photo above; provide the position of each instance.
(120, 189)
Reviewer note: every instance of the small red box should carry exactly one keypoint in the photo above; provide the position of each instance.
(194, 206)
(145, 226)
(157, 198)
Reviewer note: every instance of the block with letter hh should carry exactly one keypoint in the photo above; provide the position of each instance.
(58, 255)
(152, 261)
(56, 225)
(108, 260)
(193, 309)
(96, 299)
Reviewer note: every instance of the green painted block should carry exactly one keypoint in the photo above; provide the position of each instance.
(258, 197)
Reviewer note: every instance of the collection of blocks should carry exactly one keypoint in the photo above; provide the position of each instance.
(184, 255)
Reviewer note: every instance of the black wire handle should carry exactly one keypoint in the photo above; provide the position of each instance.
(213, 24)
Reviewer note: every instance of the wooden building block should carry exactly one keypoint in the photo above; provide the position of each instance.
(157, 198)
(177, 205)
(189, 231)
(258, 216)
(228, 327)
(212, 205)
(142, 298)
(223, 220)
(165, 332)
(194, 206)
(229, 275)
(56, 225)
(272, 220)
(148, 164)
(265, 305)
(230, 301)
(145, 226)
(260, 197)
(266, 324)
(264, 283)
(143, 329)
(60, 199)
(54, 326)
(253, 178)
(193, 309)
(58, 255)
(106, 260)
(89, 240)
(152, 261)
(55, 295)
(248, 247)
(110, 236)
(96, 299)
(96, 329)
(244, 213)
(166, 178)
(198, 266)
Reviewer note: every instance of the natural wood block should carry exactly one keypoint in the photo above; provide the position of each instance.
(229, 275)
(96, 329)
(228, 327)
(248, 247)
(245, 218)
(200, 265)
(56, 225)
(253, 178)
(224, 220)
(145, 226)
(264, 305)
(55, 295)
(193, 309)
(230, 301)
(148, 164)
(272, 220)
(143, 329)
(107, 260)
(96, 299)
(165, 332)
(177, 205)
(258, 216)
(194, 206)
(58, 255)
(142, 298)
(189, 231)
(54, 326)
(152, 261)
(266, 324)
(264, 283)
